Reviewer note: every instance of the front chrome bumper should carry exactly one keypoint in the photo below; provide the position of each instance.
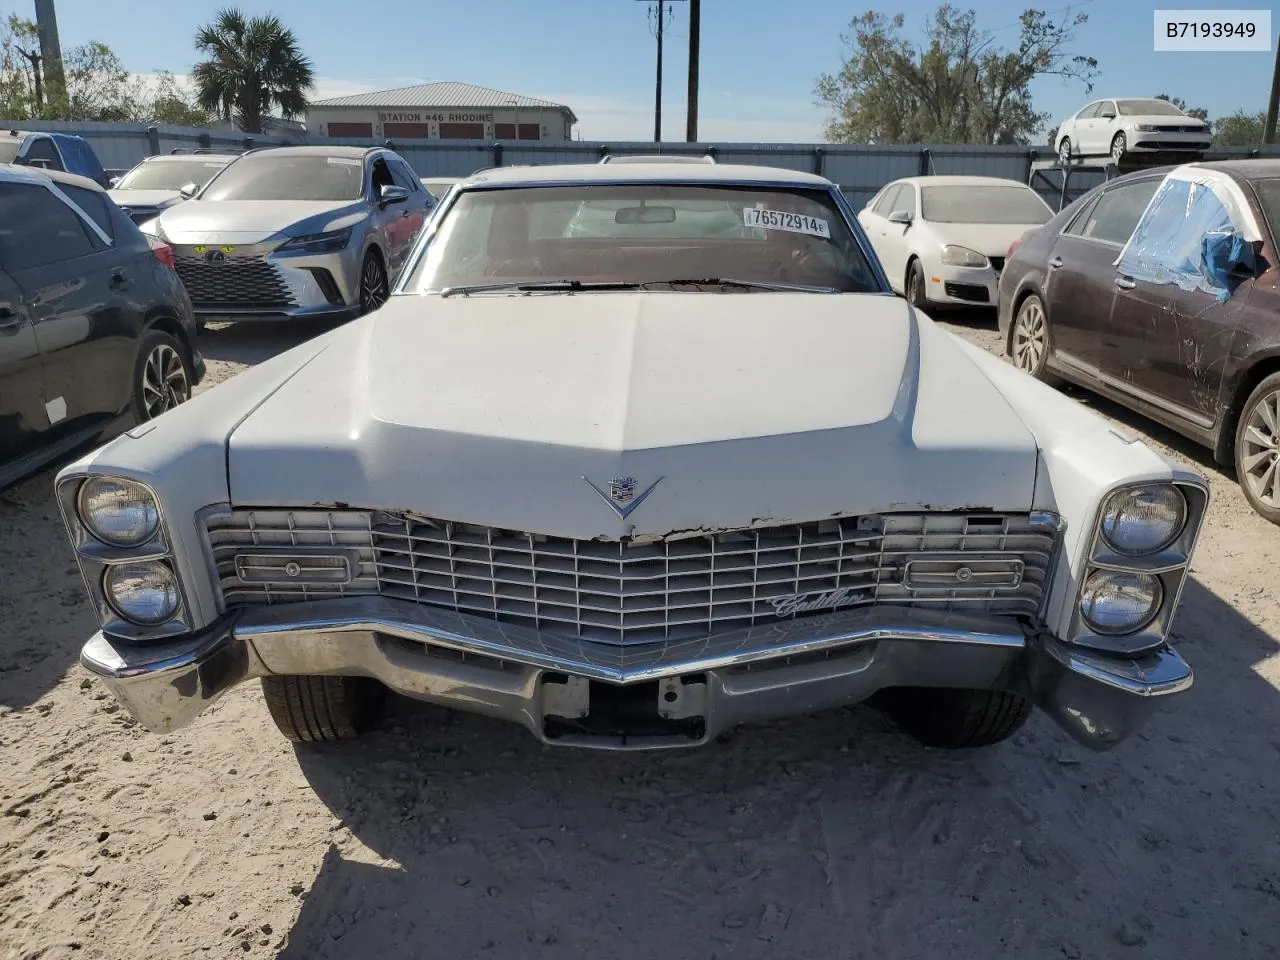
(551, 684)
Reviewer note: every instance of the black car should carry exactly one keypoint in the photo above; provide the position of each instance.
(96, 330)
(1161, 290)
(59, 152)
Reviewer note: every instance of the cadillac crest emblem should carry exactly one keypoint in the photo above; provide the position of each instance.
(623, 493)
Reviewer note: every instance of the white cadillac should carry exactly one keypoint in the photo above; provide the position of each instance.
(943, 240)
(632, 487)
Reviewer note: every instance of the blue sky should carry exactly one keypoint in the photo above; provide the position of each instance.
(759, 58)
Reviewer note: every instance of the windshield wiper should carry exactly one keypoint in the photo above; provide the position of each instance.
(535, 285)
(743, 284)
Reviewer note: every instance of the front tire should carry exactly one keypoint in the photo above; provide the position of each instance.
(324, 709)
(1119, 146)
(161, 376)
(955, 719)
(915, 286)
(374, 288)
(1064, 152)
(1029, 344)
(1257, 448)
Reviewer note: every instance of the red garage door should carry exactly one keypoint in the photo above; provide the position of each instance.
(351, 129)
(462, 131)
(406, 130)
(507, 131)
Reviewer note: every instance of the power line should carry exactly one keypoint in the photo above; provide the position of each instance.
(660, 13)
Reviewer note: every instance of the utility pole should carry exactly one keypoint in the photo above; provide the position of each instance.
(50, 50)
(695, 28)
(662, 11)
(1269, 134)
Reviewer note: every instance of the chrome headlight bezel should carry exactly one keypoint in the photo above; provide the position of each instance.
(95, 556)
(1168, 565)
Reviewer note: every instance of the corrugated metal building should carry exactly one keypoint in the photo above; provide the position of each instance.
(442, 111)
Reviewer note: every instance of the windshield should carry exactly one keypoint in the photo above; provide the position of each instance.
(169, 174)
(1148, 108)
(263, 176)
(632, 233)
(976, 204)
(1268, 192)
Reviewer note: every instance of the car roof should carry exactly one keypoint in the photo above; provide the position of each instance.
(171, 157)
(315, 151)
(961, 181)
(15, 173)
(1254, 168)
(597, 173)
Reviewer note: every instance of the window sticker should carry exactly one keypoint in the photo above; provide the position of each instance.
(789, 222)
(343, 161)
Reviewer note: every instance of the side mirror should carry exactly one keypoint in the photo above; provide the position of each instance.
(392, 194)
(114, 182)
(189, 190)
(901, 216)
(1107, 115)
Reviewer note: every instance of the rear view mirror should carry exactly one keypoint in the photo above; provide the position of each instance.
(189, 190)
(900, 216)
(641, 215)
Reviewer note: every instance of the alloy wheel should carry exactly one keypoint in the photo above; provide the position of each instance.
(1118, 147)
(164, 381)
(1260, 456)
(1030, 341)
(373, 285)
(1064, 152)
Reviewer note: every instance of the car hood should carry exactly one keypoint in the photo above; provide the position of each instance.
(989, 239)
(252, 221)
(735, 410)
(144, 198)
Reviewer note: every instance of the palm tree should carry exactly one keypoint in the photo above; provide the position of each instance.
(251, 65)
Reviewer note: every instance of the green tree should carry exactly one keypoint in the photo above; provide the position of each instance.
(958, 86)
(1240, 129)
(1198, 112)
(253, 64)
(173, 104)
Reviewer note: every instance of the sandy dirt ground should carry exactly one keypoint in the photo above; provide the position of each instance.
(456, 837)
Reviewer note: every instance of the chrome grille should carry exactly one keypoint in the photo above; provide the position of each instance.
(677, 589)
(235, 282)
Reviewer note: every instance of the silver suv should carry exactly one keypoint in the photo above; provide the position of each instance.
(296, 232)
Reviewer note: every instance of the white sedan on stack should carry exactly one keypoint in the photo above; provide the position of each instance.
(943, 240)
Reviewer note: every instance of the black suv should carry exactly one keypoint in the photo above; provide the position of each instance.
(96, 330)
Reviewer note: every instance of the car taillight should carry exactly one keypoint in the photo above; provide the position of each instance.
(1014, 246)
(161, 251)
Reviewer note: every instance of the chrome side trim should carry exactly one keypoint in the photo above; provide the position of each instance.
(1191, 416)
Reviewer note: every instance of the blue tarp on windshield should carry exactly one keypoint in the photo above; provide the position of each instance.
(1186, 237)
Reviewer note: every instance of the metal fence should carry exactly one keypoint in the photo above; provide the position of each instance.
(859, 170)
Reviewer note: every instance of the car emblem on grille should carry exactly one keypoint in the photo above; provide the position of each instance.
(622, 494)
(215, 256)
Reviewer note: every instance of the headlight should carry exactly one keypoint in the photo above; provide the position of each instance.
(958, 256)
(330, 242)
(1114, 602)
(1145, 128)
(1143, 520)
(144, 593)
(121, 513)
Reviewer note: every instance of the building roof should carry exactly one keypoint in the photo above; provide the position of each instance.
(440, 95)
(711, 174)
